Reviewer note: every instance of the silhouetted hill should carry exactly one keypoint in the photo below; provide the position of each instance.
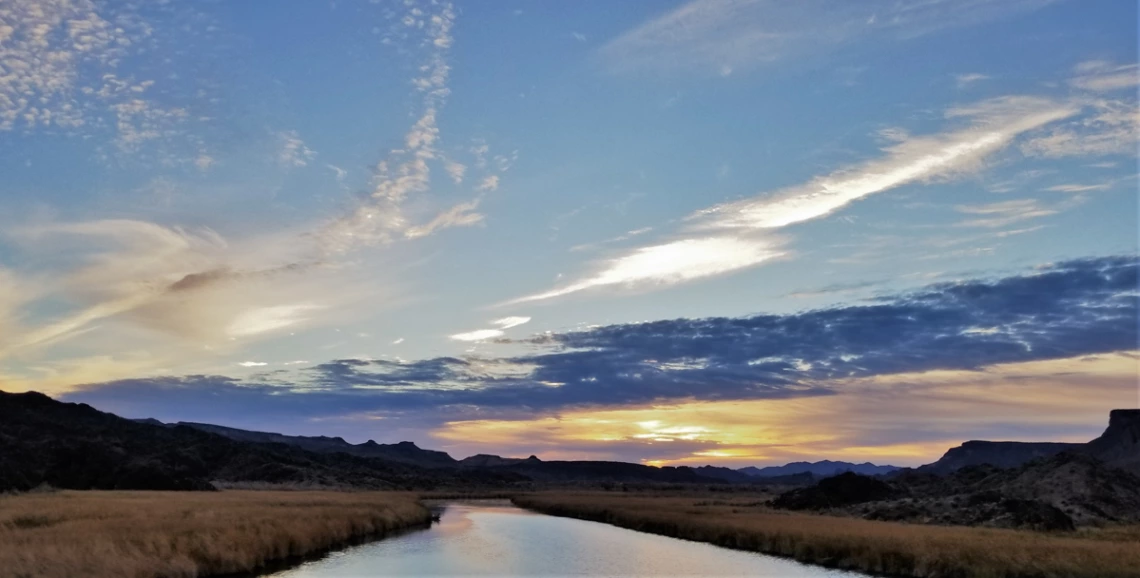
(834, 492)
(1119, 445)
(1000, 454)
(75, 446)
(821, 469)
(404, 452)
(724, 474)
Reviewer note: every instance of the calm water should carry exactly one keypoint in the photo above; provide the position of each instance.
(497, 539)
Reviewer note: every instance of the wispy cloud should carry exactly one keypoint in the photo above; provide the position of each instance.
(722, 36)
(994, 215)
(382, 216)
(294, 152)
(488, 334)
(1113, 128)
(673, 262)
(736, 235)
(477, 335)
(966, 80)
(1103, 76)
(509, 322)
(994, 124)
(1078, 187)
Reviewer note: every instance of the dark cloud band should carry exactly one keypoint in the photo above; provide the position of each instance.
(1074, 308)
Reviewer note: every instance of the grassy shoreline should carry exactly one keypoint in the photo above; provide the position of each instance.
(134, 534)
(880, 548)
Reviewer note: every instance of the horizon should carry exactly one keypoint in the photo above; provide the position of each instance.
(740, 233)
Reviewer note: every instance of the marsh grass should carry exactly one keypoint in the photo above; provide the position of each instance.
(186, 534)
(882, 548)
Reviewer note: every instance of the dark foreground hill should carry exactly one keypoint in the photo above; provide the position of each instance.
(1086, 484)
(74, 446)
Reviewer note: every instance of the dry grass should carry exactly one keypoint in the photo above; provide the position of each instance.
(877, 547)
(186, 534)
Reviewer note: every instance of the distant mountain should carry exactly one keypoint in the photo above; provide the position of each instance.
(998, 454)
(492, 461)
(403, 452)
(598, 471)
(725, 474)
(822, 469)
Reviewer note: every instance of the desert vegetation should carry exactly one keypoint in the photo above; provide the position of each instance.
(140, 534)
(885, 548)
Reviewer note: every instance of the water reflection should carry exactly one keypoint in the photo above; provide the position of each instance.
(493, 538)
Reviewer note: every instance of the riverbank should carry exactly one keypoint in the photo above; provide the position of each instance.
(135, 534)
(883, 548)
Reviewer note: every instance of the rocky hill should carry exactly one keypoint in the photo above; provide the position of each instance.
(1119, 445)
(1000, 454)
(1084, 484)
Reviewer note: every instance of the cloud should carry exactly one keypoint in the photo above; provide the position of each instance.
(253, 364)
(721, 36)
(204, 162)
(1102, 76)
(455, 170)
(1078, 187)
(1113, 128)
(477, 335)
(461, 215)
(672, 262)
(1059, 311)
(293, 151)
(383, 215)
(340, 173)
(264, 319)
(736, 235)
(490, 183)
(62, 61)
(995, 123)
(965, 80)
(509, 322)
(994, 215)
(488, 334)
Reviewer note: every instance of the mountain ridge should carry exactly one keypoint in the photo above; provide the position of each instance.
(822, 468)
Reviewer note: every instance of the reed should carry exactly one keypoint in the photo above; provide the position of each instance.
(882, 548)
(186, 534)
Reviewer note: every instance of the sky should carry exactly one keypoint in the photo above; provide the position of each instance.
(731, 232)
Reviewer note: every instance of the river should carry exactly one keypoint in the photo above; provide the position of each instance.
(494, 538)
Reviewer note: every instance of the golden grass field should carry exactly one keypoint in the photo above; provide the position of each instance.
(185, 534)
(877, 547)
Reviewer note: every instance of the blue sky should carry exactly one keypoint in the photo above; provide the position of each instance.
(429, 220)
